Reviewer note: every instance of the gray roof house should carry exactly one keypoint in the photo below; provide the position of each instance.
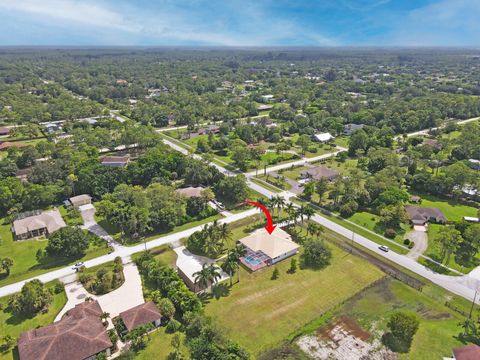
(318, 172)
(421, 215)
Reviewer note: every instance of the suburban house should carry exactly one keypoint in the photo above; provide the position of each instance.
(115, 161)
(143, 314)
(267, 98)
(348, 129)
(7, 145)
(4, 131)
(79, 335)
(264, 249)
(79, 200)
(322, 137)
(421, 215)
(319, 172)
(470, 192)
(210, 129)
(189, 264)
(468, 352)
(264, 107)
(191, 191)
(42, 224)
(433, 143)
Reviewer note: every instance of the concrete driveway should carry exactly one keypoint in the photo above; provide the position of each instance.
(419, 236)
(128, 295)
(89, 223)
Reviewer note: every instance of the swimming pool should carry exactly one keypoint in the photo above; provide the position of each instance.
(252, 261)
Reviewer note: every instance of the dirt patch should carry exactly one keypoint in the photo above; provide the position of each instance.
(260, 294)
(343, 339)
(429, 314)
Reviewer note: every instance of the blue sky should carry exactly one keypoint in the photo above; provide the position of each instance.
(241, 22)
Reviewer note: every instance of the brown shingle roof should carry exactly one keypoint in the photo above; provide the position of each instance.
(140, 315)
(469, 352)
(7, 144)
(51, 219)
(79, 335)
(319, 172)
(425, 214)
(191, 191)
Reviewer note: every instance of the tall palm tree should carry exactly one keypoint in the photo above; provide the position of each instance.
(238, 252)
(208, 275)
(230, 265)
(290, 209)
(300, 213)
(263, 202)
(280, 203)
(309, 212)
(224, 233)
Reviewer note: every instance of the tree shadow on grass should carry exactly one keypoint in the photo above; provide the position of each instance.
(394, 344)
(219, 291)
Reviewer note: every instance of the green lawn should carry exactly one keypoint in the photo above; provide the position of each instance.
(265, 184)
(15, 325)
(279, 183)
(450, 208)
(159, 346)
(293, 173)
(259, 313)
(438, 326)
(162, 253)
(434, 252)
(24, 253)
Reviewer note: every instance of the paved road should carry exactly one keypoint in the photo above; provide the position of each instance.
(426, 131)
(125, 251)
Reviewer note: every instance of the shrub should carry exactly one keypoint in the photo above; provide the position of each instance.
(406, 242)
(402, 326)
(275, 274)
(173, 326)
(58, 288)
(316, 253)
(411, 245)
(390, 233)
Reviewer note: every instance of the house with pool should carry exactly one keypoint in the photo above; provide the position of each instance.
(264, 249)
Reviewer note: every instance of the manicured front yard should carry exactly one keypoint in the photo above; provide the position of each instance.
(24, 253)
(159, 345)
(15, 325)
(259, 312)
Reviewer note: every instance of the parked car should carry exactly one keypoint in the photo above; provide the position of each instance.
(218, 204)
(384, 248)
(78, 265)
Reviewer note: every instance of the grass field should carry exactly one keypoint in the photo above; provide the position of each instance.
(159, 346)
(24, 253)
(15, 325)
(438, 326)
(259, 312)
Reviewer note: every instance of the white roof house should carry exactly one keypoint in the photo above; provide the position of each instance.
(322, 137)
(277, 245)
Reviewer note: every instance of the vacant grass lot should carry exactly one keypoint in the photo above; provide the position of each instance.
(438, 326)
(24, 253)
(259, 312)
(15, 325)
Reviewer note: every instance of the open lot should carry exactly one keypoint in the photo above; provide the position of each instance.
(260, 312)
(439, 325)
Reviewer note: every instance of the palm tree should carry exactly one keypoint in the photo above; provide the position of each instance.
(224, 233)
(309, 212)
(300, 213)
(263, 202)
(290, 209)
(104, 316)
(280, 202)
(238, 252)
(230, 265)
(208, 275)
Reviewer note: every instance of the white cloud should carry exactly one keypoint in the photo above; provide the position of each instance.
(236, 23)
(80, 12)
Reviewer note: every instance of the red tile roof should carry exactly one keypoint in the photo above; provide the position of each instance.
(140, 315)
(79, 335)
(469, 352)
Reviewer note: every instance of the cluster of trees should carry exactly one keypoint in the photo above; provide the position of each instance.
(461, 240)
(210, 240)
(67, 242)
(105, 280)
(33, 298)
(136, 211)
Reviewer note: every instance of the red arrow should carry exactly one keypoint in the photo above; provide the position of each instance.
(270, 227)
